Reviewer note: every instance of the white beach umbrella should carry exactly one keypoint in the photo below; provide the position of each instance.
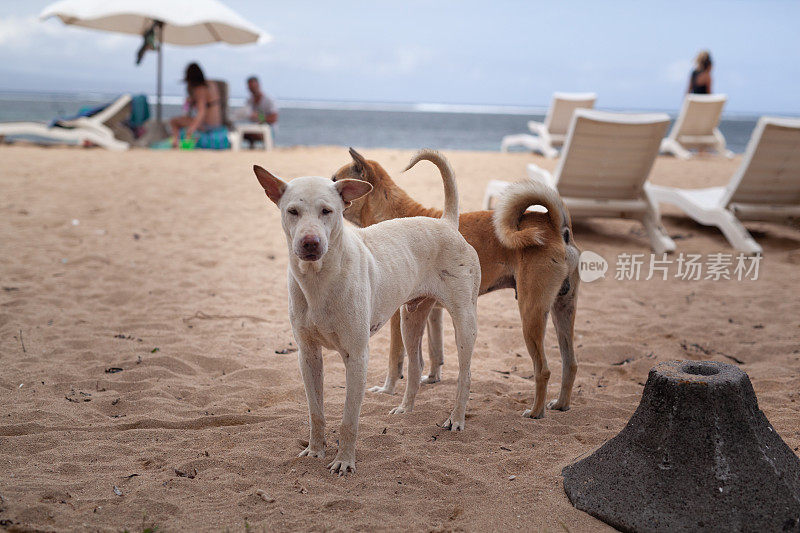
(181, 22)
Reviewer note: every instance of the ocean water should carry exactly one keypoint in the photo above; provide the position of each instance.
(368, 125)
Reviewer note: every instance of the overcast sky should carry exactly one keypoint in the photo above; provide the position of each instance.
(635, 55)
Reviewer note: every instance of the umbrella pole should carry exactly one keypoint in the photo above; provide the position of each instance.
(160, 68)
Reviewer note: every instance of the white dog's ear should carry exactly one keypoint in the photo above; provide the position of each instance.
(273, 186)
(350, 190)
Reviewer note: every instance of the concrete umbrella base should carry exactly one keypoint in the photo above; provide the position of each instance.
(698, 454)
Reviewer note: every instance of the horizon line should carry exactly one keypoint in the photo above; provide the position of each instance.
(359, 105)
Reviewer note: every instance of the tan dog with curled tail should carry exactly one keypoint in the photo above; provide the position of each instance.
(531, 252)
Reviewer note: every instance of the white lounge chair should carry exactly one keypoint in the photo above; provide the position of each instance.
(95, 129)
(696, 126)
(553, 131)
(603, 171)
(765, 187)
(236, 135)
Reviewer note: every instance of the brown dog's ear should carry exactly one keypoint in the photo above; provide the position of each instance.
(273, 186)
(359, 163)
(350, 190)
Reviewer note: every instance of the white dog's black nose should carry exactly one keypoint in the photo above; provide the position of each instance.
(310, 244)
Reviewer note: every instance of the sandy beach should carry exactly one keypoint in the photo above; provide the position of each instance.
(149, 376)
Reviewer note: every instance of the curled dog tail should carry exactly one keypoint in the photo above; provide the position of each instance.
(511, 207)
(450, 213)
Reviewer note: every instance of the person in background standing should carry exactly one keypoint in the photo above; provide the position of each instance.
(700, 81)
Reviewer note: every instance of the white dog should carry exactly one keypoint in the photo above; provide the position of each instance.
(345, 283)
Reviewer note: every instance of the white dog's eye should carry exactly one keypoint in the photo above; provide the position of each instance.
(292, 211)
(326, 211)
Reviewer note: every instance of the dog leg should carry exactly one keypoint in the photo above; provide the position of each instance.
(564, 321)
(396, 353)
(356, 381)
(534, 320)
(465, 323)
(413, 327)
(310, 359)
(435, 346)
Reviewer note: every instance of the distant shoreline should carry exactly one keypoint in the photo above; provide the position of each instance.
(344, 105)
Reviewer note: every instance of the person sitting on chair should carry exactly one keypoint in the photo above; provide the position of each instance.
(202, 98)
(260, 109)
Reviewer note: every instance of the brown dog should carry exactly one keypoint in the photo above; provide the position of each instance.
(531, 252)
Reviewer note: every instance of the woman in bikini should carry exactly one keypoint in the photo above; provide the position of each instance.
(203, 98)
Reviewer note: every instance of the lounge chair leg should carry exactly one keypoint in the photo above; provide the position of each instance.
(545, 140)
(736, 233)
(533, 143)
(235, 138)
(721, 146)
(538, 174)
(660, 241)
(268, 141)
(117, 146)
(546, 144)
(494, 189)
(104, 141)
(550, 152)
(523, 139)
(487, 200)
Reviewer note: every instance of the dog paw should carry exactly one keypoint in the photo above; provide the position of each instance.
(399, 410)
(342, 466)
(529, 413)
(427, 380)
(382, 389)
(312, 453)
(556, 405)
(453, 425)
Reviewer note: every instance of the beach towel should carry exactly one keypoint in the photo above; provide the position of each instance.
(212, 139)
(140, 111)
